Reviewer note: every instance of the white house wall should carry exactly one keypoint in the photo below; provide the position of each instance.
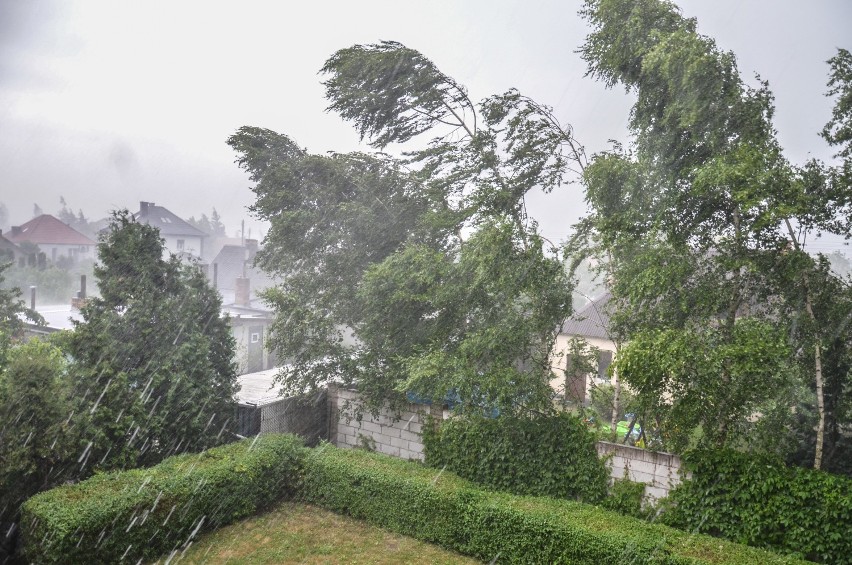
(558, 359)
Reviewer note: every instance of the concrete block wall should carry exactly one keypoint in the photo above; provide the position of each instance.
(398, 435)
(401, 437)
(660, 471)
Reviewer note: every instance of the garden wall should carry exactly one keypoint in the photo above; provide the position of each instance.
(659, 471)
(394, 434)
(400, 436)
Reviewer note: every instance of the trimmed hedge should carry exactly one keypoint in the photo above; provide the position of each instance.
(541, 455)
(144, 513)
(441, 508)
(758, 500)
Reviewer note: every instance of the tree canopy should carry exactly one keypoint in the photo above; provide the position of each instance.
(420, 274)
(701, 222)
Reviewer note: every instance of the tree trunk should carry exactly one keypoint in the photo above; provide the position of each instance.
(616, 400)
(820, 431)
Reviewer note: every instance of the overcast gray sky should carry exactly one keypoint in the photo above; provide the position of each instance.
(111, 102)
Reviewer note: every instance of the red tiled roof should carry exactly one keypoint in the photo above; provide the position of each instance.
(47, 229)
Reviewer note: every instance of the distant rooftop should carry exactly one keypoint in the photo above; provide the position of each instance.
(167, 222)
(590, 321)
(46, 229)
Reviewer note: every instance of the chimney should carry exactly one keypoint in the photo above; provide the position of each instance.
(77, 302)
(243, 292)
(216, 276)
(143, 209)
(251, 246)
(32, 297)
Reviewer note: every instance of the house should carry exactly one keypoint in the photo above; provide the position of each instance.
(180, 236)
(9, 251)
(54, 238)
(251, 322)
(590, 326)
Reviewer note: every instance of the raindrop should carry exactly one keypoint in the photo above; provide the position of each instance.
(170, 514)
(126, 551)
(85, 454)
(435, 480)
(98, 401)
(145, 482)
(105, 455)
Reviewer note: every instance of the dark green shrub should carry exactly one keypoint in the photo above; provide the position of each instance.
(757, 500)
(439, 507)
(626, 497)
(144, 513)
(542, 455)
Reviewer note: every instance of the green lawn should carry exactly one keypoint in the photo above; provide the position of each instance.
(299, 533)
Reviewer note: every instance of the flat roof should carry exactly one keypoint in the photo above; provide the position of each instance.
(258, 388)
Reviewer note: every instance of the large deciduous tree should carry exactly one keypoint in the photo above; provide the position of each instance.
(153, 357)
(695, 219)
(421, 274)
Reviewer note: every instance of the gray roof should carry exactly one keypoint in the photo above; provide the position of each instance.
(259, 388)
(591, 321)
(167, 222)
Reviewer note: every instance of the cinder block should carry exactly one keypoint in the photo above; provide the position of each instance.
(415, 427)
(400, 443)
(410, 436)
(415, 446)
(655, 493)
(371, 427)
(391, 431)
(642, 467)
(388, 450)
(640, 477)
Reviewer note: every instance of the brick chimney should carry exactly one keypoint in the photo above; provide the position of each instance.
(143, 208)
(77, 302)
(243, 292)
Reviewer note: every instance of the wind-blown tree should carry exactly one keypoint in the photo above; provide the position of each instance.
(212, 225)
(422, 274)
(693, 218)
(153, 357)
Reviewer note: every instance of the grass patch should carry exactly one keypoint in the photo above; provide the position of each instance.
(299, 533)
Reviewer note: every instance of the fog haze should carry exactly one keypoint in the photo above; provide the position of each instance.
(109, 103)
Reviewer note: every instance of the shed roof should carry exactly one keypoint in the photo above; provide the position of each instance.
(258, 388)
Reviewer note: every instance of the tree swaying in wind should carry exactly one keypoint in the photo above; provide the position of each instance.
(697, 219)
(422, 274)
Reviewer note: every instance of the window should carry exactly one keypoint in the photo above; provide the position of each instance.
(255, 337)
(180, 245)
(604, 361)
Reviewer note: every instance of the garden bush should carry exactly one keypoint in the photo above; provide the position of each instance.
(757, 500)
(144, 513)
(541, 455)
(439, 507)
